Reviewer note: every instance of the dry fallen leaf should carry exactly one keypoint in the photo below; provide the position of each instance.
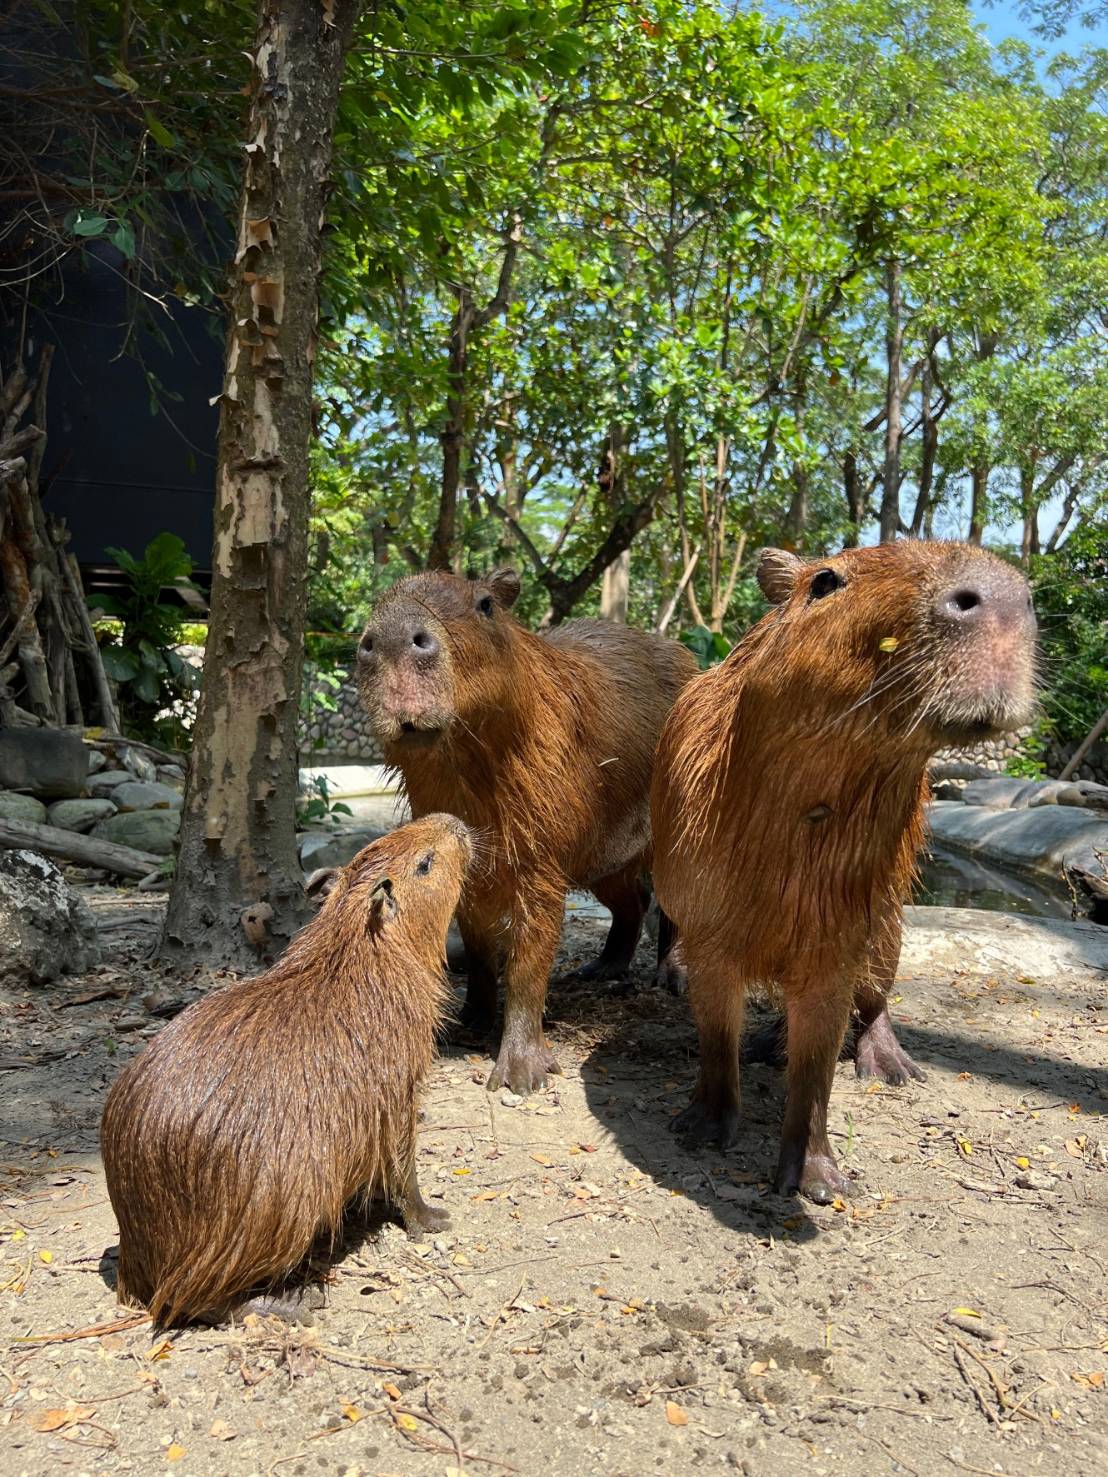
(1092, 1381)
(222, 1431)
(350, 1412)
(407, 1422)
(163, 1351)
(391, 1391)
(543, 1159)
(48, 1256)
(675, 1415)
(757, 1368)
(56, 1420)
(174, 1453)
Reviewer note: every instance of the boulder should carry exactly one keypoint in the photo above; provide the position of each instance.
(107, 780)
(334, 849)
(46, 928)
(78, 815)
(1044, 839)
(49, 762)
(1002, 792)
(1085, 793)
(144, 830)
(143, 795)
(140, 764)
(96, 760)
(15, 807)
(171, 774)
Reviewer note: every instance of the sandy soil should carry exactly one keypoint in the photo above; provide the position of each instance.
(606, 1301)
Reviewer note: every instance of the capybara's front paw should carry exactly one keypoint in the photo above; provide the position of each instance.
(879, 1054)
(705, 1123)
(293, 1304)
(820, 1180)
(601, 969)
(523, 1068)
(672, 976)
(424, 1217)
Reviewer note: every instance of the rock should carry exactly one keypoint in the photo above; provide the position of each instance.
(335, 848)
(1002, 792)
(987, 944)
(171, 774)
(1033, 1179)
(15, 807)
(96, 760)
(1046, 793)
(1043, 839)
(106, 781)
(144, 795)
(957, 769)
(1086, 794)
(140, 764)
(46, 928)
(49, 762)
(145, 830)
(78, 815)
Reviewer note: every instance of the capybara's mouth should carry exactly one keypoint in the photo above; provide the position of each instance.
(408, 736)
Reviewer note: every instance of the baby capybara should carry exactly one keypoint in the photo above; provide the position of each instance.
(544, 742)
(788, 803)
(237, 1137)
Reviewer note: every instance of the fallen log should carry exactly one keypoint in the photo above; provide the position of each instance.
(86, 851)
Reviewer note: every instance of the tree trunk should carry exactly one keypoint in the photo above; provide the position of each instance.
(441, 552)
(894, 344)
(979, 501)
(238, 832)
(929, 446)
(855, 498)
(615, 589)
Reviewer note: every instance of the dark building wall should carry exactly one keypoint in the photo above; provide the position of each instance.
(118, 472)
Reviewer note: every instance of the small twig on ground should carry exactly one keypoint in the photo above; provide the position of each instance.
(502, 1312)
(93, 1331)
(964, 1370)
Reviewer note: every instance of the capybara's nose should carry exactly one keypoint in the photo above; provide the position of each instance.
(968, 603)
(425, 642)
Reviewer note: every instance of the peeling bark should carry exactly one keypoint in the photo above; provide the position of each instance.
(238, 844)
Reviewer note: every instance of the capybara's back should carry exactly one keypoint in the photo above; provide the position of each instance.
(546, 742)
(237, 1137)
(788, 804)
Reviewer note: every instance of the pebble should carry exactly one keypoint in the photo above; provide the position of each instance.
(1032, 1179)
(510, 1099)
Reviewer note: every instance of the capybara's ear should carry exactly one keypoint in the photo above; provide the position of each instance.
(382, 905)
(322, 883)
(504, 584)
(777, 572)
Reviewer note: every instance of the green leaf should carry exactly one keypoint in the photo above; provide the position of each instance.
(123, 238)
(159, 133)
(120, 665)
(89, 223)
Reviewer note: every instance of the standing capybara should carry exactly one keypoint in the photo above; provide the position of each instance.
(248, 1123)
(788, 807)
(545, 743)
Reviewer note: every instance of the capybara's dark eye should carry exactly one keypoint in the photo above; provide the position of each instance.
(425, 865)
(824, 582)
(485, 605)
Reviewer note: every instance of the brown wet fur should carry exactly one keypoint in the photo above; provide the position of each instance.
(788, 808)
(545, 744)
(233, 1143)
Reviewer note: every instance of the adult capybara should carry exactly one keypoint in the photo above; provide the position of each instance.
(237, 1137)
(788, 807)
(544, 742)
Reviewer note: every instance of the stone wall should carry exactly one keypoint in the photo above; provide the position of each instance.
(993, 755)
(335, 735)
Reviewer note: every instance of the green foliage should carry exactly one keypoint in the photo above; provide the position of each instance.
(138, 653)
(320, 807)
(709, 647)
(1029, 762)
(1071, 599)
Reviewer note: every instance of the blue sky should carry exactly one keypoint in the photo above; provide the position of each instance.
(1002, 21)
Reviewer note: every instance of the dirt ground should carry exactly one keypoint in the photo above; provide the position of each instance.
(606, 1301)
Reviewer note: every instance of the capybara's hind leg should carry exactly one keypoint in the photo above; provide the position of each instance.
(818, 1013)
(478, 1014)
(670, 973)
(627, 897)
(766, 1043)
(877, 1052)
(716, 996)
(416, 1214)
(293, 1304)
(525, 1061)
